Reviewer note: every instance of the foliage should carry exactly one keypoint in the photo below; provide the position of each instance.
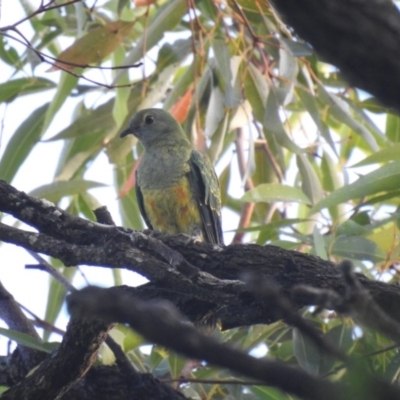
(319, 158)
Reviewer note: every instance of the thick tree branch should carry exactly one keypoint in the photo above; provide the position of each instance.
(160, 323)
(361, 37)
(12, 315)
(68, 363)
(201, 279)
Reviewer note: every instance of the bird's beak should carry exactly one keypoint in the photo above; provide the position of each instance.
(126, 132)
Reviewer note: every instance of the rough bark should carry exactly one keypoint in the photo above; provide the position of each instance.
(360, 37)
(207, 283)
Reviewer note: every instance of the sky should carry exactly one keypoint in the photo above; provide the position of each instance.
(29, 287)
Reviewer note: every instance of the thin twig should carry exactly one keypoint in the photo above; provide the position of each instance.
(45, 266)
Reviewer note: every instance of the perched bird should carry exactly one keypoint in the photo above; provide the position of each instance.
(176, 186)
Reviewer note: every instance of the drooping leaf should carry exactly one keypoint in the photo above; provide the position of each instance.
(357, 248)
(24, 340)
(66, 85)
(385, 178)
(306, 352)
(21, 143)
(385, 155)
(19, 87)
(310, 182)
(56, 190)
(167, 17)
(92, 48)
(270, 192)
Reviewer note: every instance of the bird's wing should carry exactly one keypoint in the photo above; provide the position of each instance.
(204, 183)
(140, 201)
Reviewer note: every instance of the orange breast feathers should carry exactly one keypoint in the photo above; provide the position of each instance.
(173, 210)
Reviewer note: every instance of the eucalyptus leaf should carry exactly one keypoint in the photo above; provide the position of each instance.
(21, 143)
(24, 339)
(56, 190)
(270, 192)
(385, 178)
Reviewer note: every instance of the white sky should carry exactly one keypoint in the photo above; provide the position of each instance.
(29, 287)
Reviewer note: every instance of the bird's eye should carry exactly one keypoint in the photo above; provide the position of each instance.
(149, 119)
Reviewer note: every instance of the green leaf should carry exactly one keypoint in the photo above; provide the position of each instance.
(268, 393)
(21, 143)
(3, 389)
(56, 190)
(388, 154)
(176, 364)
(310, 103)
(95, 45)
(393, 369)
(357, 248)
(288, 70)
(297, 48)
(342, 337)
(310, 183)
(120, 109)
(158, 356)
(64, 88)
(131, 338)
(319, 244)
(350, 227)
(273, 125)
(24, 339)
(8, 53)
(167, 17)
(19, 87)
(172, 53)
(270, 192)
(306, 352)
(75, 163)
(393, 127)
(340, 110)
(256, 91)
(160, 83)
(219, 137)
(90, 122)
(332, 173)
(385, 178)
(223, 61)
(128, 204)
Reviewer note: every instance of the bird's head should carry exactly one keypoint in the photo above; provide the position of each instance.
(154, 126)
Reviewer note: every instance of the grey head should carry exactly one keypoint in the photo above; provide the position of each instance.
(154, 126)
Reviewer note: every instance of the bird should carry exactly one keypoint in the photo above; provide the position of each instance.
(177, 189)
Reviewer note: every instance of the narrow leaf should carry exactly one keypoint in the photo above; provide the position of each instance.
(97, 44)
(357, 248)
(56, 190)
(270, 192)
(382, 156)
(167, 17)
(24, 339)
(385, 178)
(19, 87)
(21, 143)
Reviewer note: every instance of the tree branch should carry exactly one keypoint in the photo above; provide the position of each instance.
(361, 37)
(161, 324)
(200, 279)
